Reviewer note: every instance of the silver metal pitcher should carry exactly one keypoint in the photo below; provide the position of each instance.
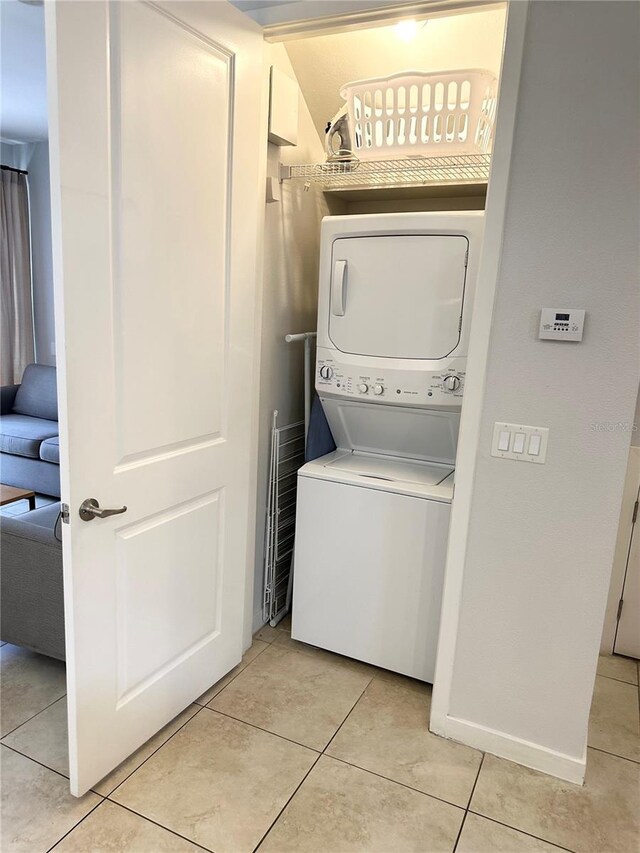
(338, 142)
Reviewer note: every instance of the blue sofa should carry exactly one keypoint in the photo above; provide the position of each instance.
(29, 443)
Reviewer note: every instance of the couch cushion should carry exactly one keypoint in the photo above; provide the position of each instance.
(43, 516)
(50, 450)
(37, 395)
(22, 436)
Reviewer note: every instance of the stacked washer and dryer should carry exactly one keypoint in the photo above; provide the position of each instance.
(394, 313)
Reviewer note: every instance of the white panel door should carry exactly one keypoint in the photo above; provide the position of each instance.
(157, 141)
(397, 296)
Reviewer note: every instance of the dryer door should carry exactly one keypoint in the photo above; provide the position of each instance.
(397, 296)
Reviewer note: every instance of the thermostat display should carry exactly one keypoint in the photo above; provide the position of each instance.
(561, 324)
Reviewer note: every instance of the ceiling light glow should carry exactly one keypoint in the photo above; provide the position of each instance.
(407, 30)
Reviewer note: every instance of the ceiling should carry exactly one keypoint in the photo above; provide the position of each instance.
(23, 87)
(323, 64)
(252, 5)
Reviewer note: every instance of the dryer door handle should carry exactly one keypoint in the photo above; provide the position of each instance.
(338, 288)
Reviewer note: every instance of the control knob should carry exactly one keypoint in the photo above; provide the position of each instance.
(378, 390)
(326, 372)
(451, 383)
(363, 388)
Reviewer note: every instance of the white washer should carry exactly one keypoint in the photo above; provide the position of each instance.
(368, 569)
(372, 522)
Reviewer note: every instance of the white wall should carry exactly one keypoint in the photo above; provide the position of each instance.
(292, 233)
(41, 254)
(541, 537)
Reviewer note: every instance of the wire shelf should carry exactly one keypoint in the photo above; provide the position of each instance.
(408, 172)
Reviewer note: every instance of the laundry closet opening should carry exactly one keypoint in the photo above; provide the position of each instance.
(378, 165)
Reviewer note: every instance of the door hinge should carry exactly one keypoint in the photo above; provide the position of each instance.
(619, 613)
(635, 512)
(64, 512)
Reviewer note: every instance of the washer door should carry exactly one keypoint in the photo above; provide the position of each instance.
(397, 296)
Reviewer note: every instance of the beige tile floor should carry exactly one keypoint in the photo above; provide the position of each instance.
(301, 751)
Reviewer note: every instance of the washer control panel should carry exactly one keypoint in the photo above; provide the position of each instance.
(402, 387)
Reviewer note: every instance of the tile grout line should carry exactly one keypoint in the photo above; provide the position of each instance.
(334, 757)
(259, 728)
(164, 743)
(104, 797)
(39, 763)
(613, 754)
(246, 666)
(466, 811)
(395, 782)
(33, 716)
(619, 680)
(521, 831)
(335, 734)
(280, 813)
(76, 825)
(155, 823)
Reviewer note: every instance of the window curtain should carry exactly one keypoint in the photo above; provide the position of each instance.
(16, 310)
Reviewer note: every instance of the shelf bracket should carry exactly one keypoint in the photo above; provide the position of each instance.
(284, 172)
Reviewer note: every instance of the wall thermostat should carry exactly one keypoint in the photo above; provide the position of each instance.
(561, 324)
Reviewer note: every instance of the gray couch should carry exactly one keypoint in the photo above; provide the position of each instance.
(31, 588)
(29, 443)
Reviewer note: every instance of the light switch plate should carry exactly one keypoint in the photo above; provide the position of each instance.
(508, 438)
(561, 324)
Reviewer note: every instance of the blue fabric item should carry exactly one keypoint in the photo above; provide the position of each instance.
(7, 398)
(46, 517)
(37, 396)
(21, 435)
(319, 438)
(50, 450)
(31, 594)
(32, 474)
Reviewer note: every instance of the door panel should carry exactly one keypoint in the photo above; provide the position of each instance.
(172, 269)
(398, 296)
(150, 638)
(157, 146)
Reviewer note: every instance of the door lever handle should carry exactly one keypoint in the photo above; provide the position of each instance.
(90, 509)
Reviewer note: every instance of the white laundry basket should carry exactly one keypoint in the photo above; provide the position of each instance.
(417, 114)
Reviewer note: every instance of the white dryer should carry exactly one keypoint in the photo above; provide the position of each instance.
(394, 312)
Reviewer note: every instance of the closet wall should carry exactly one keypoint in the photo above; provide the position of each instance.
(541, 537)
(289, 303)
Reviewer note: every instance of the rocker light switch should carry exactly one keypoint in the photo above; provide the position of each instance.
(503, 440)
(522, 443)
(518, 442)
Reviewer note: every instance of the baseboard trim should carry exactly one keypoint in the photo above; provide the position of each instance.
(515, 749)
